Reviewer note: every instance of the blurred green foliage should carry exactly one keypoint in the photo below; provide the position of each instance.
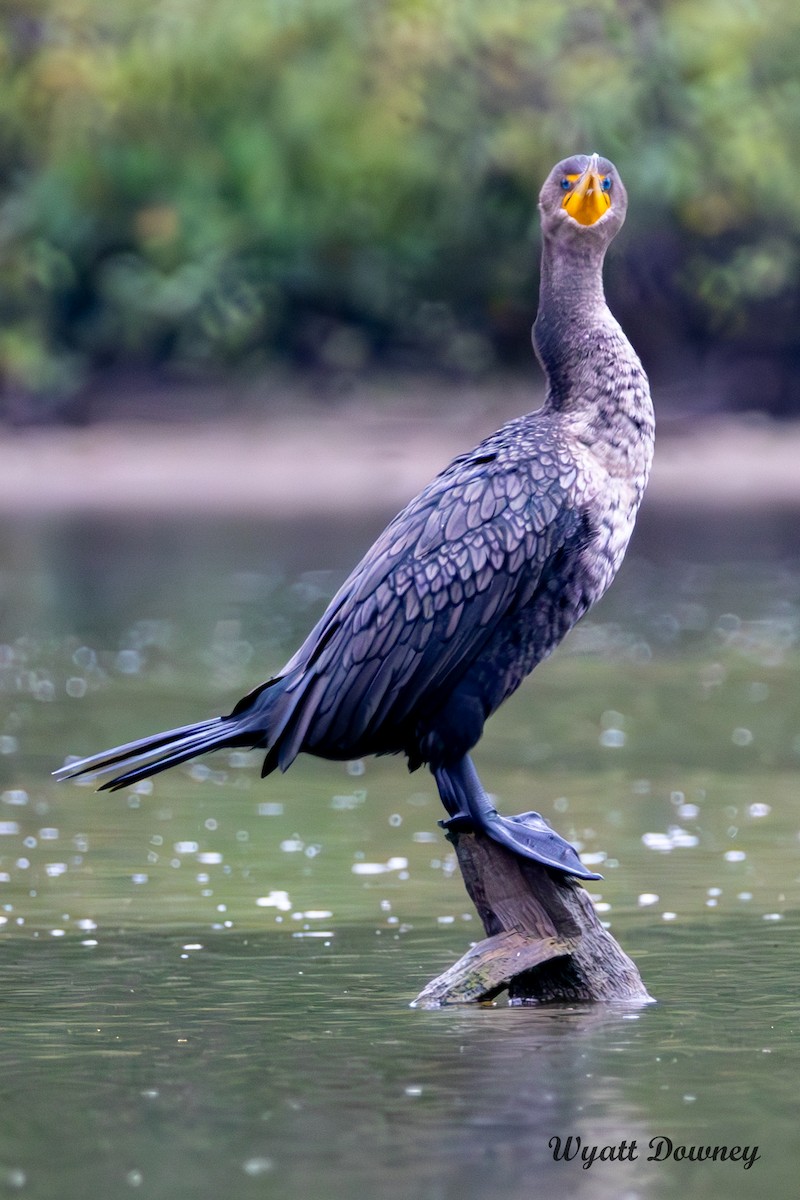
(345, 182)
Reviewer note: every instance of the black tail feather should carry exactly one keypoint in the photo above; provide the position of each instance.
(160, 751)
(265, 718)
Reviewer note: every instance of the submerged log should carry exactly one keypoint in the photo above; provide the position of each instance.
(544, 940)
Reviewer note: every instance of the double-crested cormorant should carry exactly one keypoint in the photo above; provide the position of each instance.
(480, 576)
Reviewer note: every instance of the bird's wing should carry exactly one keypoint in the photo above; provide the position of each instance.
(416, 612)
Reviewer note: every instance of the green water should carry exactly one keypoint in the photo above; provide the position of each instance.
(206, 980)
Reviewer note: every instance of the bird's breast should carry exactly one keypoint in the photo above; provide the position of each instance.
(609, 496)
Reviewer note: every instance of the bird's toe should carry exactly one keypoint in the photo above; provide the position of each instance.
(529, 835)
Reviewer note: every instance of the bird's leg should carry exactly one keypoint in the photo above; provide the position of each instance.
(454, 801)
(528, 834)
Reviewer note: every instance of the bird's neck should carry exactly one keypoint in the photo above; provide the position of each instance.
(594, 377)
(574, 322)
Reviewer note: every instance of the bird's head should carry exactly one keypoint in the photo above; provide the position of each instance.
(583, 196)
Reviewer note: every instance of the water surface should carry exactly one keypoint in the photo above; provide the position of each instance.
(206, 979)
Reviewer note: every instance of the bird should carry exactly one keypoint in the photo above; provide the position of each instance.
(482, 574)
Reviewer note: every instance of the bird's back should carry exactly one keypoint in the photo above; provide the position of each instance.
(471, 585)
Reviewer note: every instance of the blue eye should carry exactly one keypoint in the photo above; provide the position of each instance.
(565, 184)
(606, 184)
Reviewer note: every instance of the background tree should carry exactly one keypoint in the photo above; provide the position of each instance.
(348, 183)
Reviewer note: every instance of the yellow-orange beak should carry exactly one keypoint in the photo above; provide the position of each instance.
(589, 197)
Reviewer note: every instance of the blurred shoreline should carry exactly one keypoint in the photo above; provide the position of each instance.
(368, 452)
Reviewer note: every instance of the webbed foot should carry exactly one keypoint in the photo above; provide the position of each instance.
(527, 834)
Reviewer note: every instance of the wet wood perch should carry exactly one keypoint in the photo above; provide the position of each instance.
(544, 940)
